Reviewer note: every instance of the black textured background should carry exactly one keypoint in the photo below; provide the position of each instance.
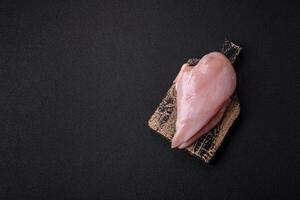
(79, 80)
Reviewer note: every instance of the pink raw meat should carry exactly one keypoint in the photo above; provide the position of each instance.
(203, 92)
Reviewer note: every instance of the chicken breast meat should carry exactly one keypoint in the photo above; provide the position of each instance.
(203, 94)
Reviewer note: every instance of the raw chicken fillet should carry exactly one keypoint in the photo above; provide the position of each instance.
(203, 94)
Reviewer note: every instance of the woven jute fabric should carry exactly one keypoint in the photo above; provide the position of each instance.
(164, 118)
